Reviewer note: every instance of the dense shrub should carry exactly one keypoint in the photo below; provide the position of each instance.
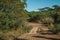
(12, 14)
(12, 19)
(55, 29)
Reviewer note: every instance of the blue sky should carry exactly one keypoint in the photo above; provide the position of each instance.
(33, 5)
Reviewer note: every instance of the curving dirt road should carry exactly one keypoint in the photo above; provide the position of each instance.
(33, 35)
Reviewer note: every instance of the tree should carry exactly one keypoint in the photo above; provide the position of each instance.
(12, 13)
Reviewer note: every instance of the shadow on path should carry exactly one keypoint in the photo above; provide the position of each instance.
(20, 39)
(46, 37)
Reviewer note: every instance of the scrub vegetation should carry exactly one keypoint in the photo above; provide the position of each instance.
(14, 18)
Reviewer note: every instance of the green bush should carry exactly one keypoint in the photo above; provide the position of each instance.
(12, 18)
(13, 14)
(55, 29)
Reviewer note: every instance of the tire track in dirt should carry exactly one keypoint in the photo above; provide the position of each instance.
(34, 30)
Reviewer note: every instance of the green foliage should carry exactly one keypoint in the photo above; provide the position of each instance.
(55, 29)
(12, 19)
(47, 16)
(12, 14)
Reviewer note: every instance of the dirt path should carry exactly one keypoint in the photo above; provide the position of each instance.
(33, 35)
(34, 30)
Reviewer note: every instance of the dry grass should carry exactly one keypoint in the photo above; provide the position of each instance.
(10, 35)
